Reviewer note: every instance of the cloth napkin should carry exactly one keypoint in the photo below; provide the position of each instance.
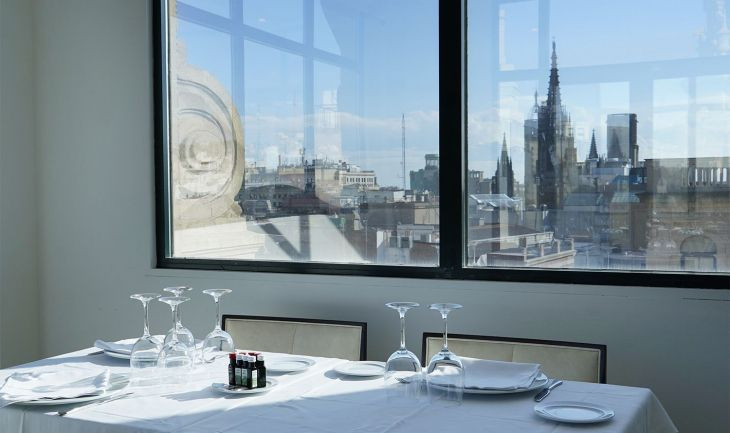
(118, 347)
(483, 374)
(54, 382)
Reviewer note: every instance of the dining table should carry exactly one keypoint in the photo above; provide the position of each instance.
(318, 400)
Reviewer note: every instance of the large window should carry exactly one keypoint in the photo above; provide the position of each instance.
(599, 135)
(565, 140)
(304, 131)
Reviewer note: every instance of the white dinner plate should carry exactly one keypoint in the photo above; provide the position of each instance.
(224, 388)
(117, 385)
(288, 364)
(539, 383)
(361, 368)
(118, 354)
(576, 412)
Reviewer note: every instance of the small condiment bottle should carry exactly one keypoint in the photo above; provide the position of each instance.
(261, 371)
(240, 371)
(253, 376)
(232, 369)
(246, 372)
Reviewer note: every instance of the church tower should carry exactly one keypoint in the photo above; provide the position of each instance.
(556, 153)
(593, 154)
(503, 181)
(592, 162)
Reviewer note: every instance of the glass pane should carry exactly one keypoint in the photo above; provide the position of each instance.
(518, 35)
(324, 151)
(336, 27)
(218, 7)
(281, 17)
(609, 150)
(622, 32)
(196, 52)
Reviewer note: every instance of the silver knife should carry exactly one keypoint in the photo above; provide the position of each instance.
(544, 393)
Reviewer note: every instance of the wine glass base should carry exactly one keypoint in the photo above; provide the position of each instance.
(217, 344)
(445, 379)
(175, 359)
(403, 377)
(144, 353)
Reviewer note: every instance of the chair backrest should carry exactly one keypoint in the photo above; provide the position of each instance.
(328, 338)
(582, 362)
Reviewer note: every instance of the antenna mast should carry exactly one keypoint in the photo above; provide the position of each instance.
(403, 145)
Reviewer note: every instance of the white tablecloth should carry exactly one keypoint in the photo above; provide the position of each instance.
(319, 400)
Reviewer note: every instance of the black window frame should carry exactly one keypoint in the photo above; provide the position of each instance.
(453, 167)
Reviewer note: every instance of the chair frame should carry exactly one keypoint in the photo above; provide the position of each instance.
(363, 326)
(600, 347)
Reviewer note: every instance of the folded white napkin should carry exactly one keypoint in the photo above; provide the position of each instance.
(54, 382)
(116, 347)
(483, 374)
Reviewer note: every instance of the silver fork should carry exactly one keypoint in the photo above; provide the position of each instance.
(96, 403)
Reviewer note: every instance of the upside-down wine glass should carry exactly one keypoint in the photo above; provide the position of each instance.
(147, 348)
(403, 368)
(445, 373)
(183, 334)
(218, 342)
(175, 354)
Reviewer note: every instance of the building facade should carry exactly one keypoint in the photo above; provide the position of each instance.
(621, 138)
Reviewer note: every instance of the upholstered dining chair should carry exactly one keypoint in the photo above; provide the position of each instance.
(313, 337)
(582, 362)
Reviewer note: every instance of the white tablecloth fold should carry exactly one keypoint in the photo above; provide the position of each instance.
(54, 382)
(482, 374)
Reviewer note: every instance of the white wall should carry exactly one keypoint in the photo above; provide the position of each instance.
(96, 242)
(19, 321)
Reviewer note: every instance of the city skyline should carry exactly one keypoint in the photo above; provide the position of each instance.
(588, 175)
(272, 128)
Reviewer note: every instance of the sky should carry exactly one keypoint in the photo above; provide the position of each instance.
(357, 111)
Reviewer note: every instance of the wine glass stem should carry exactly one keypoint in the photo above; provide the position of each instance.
(446, 334)
(402, 331)
(176, 318)
(174, 323)
(146, 332)
(217, 314)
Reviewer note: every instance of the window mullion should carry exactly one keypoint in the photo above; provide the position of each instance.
(451, 135)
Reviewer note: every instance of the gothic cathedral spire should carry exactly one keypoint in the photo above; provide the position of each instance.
(553, 97)
(504, 156)
(593, 154)
(504, 177)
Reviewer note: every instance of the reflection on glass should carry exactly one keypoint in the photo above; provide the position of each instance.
(307, 132)
(609, 151)
(199, 40)
(218, 7)
(281, 17)
(518, 48)
(336, 28)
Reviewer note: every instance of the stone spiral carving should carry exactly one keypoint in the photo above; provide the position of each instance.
(206, 154)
